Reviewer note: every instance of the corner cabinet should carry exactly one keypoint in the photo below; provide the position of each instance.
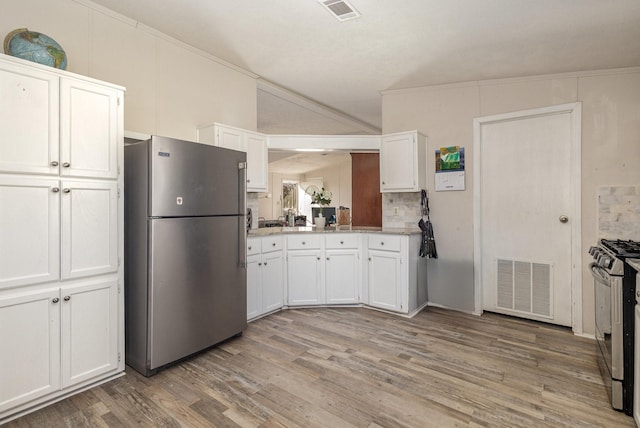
(61, 234)
(403, 162)
(252, 143)
(396, 274)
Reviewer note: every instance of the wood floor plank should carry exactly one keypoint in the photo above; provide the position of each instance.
(344, 367)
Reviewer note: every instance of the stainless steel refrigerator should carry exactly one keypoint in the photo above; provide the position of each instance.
(185, 240)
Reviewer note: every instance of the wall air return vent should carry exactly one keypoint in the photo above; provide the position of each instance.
(342, 10)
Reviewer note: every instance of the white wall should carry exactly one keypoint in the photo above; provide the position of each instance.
(610, 156)
(337, 180)
(171, 88)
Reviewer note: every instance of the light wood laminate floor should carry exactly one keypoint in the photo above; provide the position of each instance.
(342, 367)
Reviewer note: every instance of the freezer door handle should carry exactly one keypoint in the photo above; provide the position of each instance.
(242, 201)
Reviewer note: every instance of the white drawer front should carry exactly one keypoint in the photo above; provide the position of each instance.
(253, 246)
(381, 241)
(342, 240)
(303, 241)
(271, 243)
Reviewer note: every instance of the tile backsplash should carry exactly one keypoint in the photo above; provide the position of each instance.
(408, 205)
(619, 212)
(254, 204)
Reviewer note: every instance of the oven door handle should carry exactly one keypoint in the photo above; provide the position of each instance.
(600, 274)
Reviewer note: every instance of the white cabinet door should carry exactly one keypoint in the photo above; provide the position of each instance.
(403, 162)
(29, 231)
(397, 162)
(88, 129)
(341, 276)
(272, 281)
(303, 277)
(257, 162)
(254, 286)
(29, 105)
(30, 338)
(230, 138)
(385, 280)
(89, 326)
(89, 228)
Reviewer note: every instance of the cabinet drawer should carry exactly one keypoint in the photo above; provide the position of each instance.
(271, 243)
(343, 240)
(303, 242)
(384, 242)
(253, 246)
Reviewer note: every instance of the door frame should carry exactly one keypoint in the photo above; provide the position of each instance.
(575, 112)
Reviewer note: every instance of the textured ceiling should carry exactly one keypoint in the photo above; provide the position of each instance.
(298, 45)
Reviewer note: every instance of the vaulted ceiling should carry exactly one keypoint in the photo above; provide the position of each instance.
(297, 45)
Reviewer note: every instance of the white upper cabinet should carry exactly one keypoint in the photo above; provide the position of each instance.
(29, 106)
(89, 126)
(403, 162)
(257, 162)
(252, 143)
(230, 138)
(56, 124)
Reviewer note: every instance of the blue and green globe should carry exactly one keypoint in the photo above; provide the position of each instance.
(36, 47)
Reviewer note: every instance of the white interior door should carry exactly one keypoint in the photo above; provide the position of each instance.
(525, 213)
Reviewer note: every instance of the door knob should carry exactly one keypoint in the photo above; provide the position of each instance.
(563, 219)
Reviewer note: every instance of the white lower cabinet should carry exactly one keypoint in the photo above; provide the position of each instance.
(30, 337)
(56, 338)
(265, 275)
(304, 277)
(342, 268)
(385, 280)
(396, 274)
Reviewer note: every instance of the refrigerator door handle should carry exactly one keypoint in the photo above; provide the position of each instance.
(242, 201)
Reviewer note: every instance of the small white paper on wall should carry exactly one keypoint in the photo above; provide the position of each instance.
(453, 180)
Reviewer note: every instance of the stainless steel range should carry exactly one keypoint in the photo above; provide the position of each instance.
(614, 287)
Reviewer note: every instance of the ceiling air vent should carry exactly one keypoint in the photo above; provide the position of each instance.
(342, 10)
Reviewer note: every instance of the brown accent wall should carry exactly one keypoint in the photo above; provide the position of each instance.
(366, 197)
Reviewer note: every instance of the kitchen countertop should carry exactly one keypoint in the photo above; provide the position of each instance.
(266, 231)
(634, 263)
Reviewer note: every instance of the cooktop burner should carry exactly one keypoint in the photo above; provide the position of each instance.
(623, 249)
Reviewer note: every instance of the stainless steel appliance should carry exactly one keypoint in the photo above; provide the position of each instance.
(614, 288)
(185, 257)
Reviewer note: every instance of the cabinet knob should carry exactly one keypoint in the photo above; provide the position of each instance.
(273, 244)
(248, 181)
(384, 182)
(318, 258)
(381, 242)
(66, 298)
(66, 164)
(259, 263)
(265, 263)
(369, 258)
(341, 242)
(303, 242)
(55, 300)
(66, 190)
(249, 247)
(327, 258)
(54, 163)
(55, 189)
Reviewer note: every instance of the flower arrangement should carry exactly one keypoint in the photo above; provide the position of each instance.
(323, 197)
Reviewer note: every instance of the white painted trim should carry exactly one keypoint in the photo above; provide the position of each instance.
(512, 80)
(357, 143)
(575, 110)
(311, 105)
